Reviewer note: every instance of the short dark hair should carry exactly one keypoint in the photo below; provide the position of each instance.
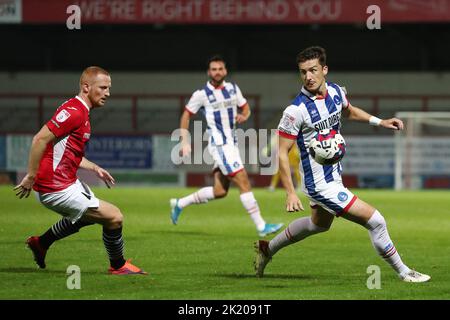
(215, 58)
(311, 53)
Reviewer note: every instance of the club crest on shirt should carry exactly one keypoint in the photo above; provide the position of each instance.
(87, 136)
(342, 196)
(62, 116)
(337, 100)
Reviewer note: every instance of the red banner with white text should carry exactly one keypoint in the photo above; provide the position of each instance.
(224, 11)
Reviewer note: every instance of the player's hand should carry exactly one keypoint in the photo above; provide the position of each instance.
(24, 188)
(293, 203)
(393, 123)
(185, 150)
(105, 176)
(240, 118)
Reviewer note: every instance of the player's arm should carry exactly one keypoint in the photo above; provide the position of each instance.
(38, 146)
(357, 114)
(243, 106)
(185, 136)
(244, 114)
(293, 203)
(99, 171)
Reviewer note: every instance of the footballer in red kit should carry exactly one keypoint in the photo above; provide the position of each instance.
(57, 151)
(72, 129)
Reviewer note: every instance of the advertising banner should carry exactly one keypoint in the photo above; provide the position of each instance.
(234, 11)
(17, 151)
(120, 152)
(10, 11)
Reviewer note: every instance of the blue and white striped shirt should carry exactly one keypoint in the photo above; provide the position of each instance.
(306, 115)
(219, 106)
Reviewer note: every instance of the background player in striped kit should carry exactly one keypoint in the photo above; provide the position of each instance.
(319, 106)
(57, 151)
(219, 102)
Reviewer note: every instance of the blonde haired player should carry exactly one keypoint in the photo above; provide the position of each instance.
(57, 151)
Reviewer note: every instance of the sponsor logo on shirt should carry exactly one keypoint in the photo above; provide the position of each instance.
(62, 116)
(212, 98)
(287, 123)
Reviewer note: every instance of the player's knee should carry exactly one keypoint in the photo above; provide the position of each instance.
(116, 220)
(314, 228)
(220, 193)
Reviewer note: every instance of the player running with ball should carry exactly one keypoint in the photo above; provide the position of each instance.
(318, 106)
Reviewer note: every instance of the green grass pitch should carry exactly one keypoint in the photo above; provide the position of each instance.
(209, 254)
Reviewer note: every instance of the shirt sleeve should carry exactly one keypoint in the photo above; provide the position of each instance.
(290, 122)
(64, 121)
(195, 102)
(345, 101)
(241, 101)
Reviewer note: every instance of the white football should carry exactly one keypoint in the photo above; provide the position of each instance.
(327, 147)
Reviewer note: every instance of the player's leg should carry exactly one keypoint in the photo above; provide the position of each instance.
(219, 190)
(62, 229)
(205, 194)
(111, 218)
(299, 229)
(319, 221)
(221, 184)
(71, 204)
(364, 214)
(240, 178)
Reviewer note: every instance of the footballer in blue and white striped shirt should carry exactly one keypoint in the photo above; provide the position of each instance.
(319, 106)
(219, 101)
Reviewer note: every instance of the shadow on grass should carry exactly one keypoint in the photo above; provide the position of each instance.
(268, 276)
(180, 233)
(46, 271)
(30, 270)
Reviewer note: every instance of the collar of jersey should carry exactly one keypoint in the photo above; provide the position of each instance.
(210, 86)
(312, 96)
(84, 103)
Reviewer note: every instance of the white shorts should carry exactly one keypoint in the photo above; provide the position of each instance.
(226, 158)
(336, 198)
(71, 202)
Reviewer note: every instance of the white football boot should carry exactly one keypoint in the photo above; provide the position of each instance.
(414, 276)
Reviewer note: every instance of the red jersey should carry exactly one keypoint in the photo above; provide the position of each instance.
(59, 164)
